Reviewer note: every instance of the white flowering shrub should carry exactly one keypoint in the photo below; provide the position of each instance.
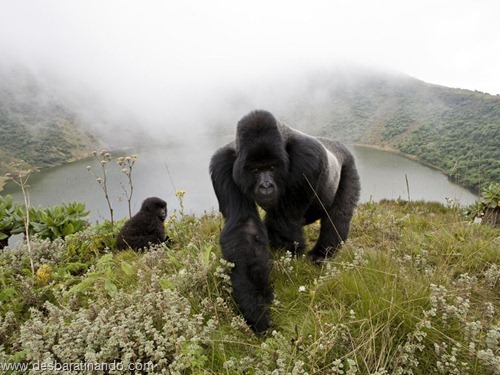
(413, 291)
(151, 324)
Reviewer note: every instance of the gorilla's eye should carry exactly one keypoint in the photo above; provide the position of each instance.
(255, 170)
(272, 168)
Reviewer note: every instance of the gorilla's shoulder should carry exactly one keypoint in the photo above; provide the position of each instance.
(337, 148)
(292, 134)
(285, 130)
(299, 141)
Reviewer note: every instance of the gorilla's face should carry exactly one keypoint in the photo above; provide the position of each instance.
(261, 167)
(156, 206)
(261, 179)
(265, 190)
(162, 212)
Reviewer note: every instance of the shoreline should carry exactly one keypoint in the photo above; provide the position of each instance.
(473, 189)
(5, 180)
(398, 152)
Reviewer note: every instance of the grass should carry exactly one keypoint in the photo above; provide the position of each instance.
(413, 291)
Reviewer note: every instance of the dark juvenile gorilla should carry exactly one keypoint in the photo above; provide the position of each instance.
(145, 227)
(297, 179)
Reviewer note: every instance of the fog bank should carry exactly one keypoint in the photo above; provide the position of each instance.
(165, 66)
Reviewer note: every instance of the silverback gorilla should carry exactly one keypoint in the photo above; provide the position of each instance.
(296, 179)
(146, 227)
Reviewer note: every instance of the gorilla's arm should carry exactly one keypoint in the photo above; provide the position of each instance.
(244, 243)
(232, 202)
(252, 299)
(308, 161)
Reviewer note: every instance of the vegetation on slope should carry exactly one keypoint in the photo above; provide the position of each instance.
(457, 131)
(462, 137)
(414, 290)
(35, 125)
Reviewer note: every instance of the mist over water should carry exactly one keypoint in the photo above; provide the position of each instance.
(177, 69)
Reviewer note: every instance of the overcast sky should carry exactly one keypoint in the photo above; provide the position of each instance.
(132, 49)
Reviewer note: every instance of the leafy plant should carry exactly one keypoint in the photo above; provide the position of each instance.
(491, 205)
(491, 196)
(11, 221)
(58, 221)
(487, 208)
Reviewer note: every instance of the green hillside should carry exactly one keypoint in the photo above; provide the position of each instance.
(413, 291)
(36, 126)
(457, 131)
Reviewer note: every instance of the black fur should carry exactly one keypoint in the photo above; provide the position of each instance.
(146, 227)
(244, 243)
(297, 179)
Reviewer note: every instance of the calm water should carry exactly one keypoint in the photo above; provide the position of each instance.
(161, 172)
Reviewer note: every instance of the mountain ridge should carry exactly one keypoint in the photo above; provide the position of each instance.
(454, 130)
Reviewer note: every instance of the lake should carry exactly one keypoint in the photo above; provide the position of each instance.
(162, 171)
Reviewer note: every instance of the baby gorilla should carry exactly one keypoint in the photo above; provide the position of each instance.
(145, 227)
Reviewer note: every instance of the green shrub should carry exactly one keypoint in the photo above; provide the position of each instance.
(11, 221)
(487, 208)
(490, 196)
(58, 221)
(50, 222)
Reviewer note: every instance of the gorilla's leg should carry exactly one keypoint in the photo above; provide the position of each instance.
(285, 233)
(336, 222)
(332, 233)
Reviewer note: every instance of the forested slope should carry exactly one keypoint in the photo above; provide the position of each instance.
(455, 130)
(36, 126)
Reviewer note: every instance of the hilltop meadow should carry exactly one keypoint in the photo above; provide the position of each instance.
(413, 291)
